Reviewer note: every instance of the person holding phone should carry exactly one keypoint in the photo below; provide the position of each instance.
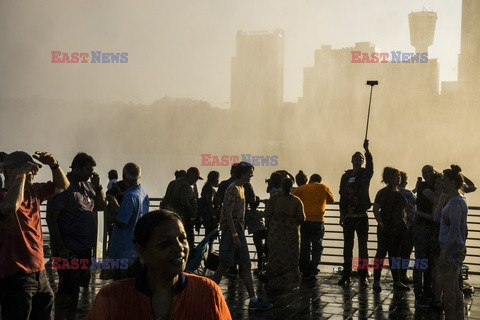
(71, 218)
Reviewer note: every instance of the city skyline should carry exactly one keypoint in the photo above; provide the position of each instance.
(184, 50)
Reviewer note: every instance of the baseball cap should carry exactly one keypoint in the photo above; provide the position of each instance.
(194, 171)
(17, 159)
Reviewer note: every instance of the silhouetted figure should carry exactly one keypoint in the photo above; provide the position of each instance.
(113, 198)
(354, 203)
(71, 218)
(135, 203)
(223, 185)
(180, 173)
(180, 197)
(411, 207)
(424, 237)
(112, 178)
(315, 196)
(254, 220)
(390, 212)
(301, 178)
(284, 215)
(452, 208)
(207, 208)
(275, 182)
(222, 188)
(233, 244)
(25, 292)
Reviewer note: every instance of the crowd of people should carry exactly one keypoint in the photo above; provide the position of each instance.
(156, 245)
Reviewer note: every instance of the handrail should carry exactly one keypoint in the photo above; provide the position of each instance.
(333, 239)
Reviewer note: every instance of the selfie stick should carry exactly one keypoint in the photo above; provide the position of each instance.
(371, 83)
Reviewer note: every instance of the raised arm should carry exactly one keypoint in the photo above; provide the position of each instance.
(14, 196)
(99, 196)
(469, 186)
(58, 176)
(368, 160)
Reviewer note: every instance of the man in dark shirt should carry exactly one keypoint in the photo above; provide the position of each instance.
(354, 203)
(180, 197)
(71, 218)
(423, 238)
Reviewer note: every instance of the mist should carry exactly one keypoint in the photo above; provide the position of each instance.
(173, 101)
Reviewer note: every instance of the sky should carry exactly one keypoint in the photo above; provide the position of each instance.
(184, 48)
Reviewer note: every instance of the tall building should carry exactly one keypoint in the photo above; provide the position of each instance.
(469, 58)
(257, 71)
(422, 29)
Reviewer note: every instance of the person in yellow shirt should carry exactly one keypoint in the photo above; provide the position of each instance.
(315, 196)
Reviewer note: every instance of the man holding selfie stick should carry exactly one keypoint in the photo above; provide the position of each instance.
(354, 203)
(71, 218)
(24, 289)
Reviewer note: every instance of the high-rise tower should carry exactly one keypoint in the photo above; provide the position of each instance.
(257, 71)
(469, 58)
(422, 29)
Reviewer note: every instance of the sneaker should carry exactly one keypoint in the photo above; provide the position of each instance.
(376, 286)
(400, 286)
(259, 305)
(344, 281)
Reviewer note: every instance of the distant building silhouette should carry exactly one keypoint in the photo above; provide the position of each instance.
(422, 29)
(257, 71)
(469, 58)
(466, 87)
(335, 85)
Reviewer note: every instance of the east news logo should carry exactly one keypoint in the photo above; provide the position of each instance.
(382, 57)
(94, 56)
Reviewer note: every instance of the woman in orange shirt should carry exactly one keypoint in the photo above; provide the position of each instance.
(161, 290)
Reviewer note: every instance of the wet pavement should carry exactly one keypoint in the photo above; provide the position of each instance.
(314, 299)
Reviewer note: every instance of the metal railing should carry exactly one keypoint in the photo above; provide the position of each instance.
(333, 239)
